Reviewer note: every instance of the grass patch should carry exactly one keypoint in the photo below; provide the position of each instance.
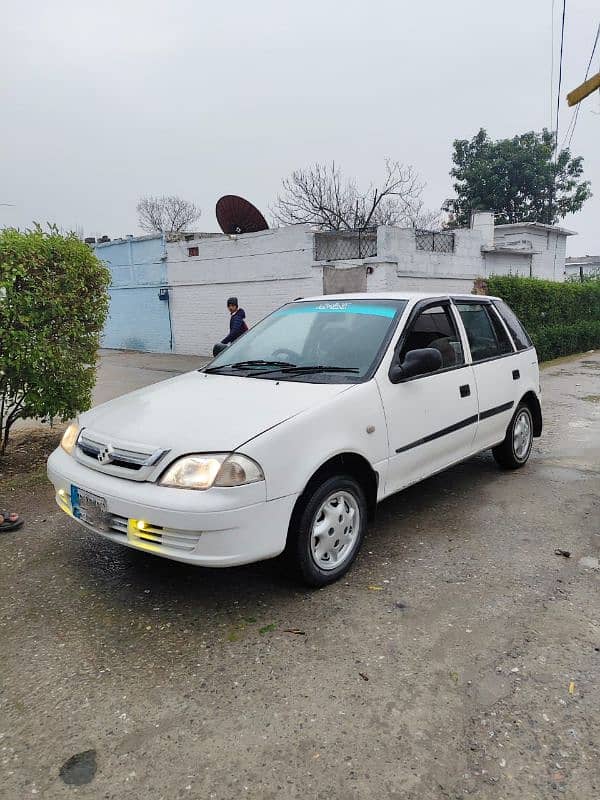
(267, 628)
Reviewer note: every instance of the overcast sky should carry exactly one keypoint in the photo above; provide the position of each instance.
(103, 102)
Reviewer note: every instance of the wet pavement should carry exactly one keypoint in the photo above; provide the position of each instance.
(460, 658)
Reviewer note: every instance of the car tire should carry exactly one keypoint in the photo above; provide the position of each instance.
(514, 451)
(327, 530)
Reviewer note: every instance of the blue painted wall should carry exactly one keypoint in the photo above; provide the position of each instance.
(137, 319)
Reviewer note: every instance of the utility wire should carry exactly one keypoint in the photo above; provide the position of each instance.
(552, 68)
(560, 65)
(572, 125)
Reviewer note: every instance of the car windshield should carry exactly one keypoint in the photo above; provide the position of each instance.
(318, 341)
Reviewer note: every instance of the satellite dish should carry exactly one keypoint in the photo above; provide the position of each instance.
(236, 215)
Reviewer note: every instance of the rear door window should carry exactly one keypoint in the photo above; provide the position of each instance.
(517, 331)
(487, 337)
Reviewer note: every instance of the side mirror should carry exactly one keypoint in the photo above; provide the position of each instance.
(416, 362)
(219, 347)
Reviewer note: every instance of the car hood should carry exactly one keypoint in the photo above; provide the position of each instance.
(198, 412)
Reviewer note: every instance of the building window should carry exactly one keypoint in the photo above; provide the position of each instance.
(192, 251)
(434, 241)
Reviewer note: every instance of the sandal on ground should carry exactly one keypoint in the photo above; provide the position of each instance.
(11, 521)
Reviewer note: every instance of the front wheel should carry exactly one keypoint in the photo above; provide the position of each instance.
(516, 447)
(327, 530)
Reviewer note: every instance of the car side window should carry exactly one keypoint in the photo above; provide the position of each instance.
(517, 331)
(486, 334)
(434, 327)
(501, 335)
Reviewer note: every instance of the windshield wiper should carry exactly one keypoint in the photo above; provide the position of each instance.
(258, 362)
(293, 369)
(318, 368)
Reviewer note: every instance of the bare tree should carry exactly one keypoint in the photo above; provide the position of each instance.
(321, 196)
(166, 214)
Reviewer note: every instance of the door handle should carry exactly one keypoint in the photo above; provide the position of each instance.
(516, 374)
(465, 390)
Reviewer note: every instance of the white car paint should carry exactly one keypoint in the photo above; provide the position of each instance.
(404, 431)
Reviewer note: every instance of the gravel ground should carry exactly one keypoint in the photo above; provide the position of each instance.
(460, 658)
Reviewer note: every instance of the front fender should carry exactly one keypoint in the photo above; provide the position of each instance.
(292, 452)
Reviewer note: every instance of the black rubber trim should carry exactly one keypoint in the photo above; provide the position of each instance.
(491, 412)
(464, 423)
(495, 358)
(444, 432)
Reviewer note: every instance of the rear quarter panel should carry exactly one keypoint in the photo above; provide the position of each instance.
(526, 361)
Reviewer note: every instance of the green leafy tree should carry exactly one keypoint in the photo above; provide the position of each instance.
(522, 179)
(53, 303)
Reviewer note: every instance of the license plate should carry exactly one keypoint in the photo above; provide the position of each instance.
(89, 508)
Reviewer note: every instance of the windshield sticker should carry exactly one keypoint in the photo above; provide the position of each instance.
(336, 307)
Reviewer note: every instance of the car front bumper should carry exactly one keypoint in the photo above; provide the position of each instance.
(216, 528)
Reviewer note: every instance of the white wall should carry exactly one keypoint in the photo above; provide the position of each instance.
(504, 263)
(589, 266)
(264, 270)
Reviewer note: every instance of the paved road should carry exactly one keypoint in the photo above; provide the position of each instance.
(121, 371)
(459, 659)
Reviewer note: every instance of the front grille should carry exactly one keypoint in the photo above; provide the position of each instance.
(119, 460)
(123, 459)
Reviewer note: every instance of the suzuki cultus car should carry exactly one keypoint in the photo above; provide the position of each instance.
(289, 438)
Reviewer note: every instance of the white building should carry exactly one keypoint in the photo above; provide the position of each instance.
(581, 267)
(171, 296)
(266, 269)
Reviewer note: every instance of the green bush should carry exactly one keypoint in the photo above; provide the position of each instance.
(561, 318)
(53, 303)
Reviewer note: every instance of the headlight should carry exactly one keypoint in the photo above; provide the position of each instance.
(69, 439)
(214, 469)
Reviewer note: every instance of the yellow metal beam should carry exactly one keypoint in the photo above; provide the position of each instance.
(581, 92)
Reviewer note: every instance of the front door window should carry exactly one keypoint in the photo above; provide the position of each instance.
(434, 327)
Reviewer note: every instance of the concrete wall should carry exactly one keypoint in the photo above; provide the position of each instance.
(137, 319)
(263, 270)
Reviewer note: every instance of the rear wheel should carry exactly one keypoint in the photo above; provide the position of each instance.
(327, 530)
(514, 451)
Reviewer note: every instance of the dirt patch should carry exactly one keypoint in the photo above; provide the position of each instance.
(592, 398)
(24, 463)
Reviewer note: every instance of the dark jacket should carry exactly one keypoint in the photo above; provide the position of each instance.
(237, 326)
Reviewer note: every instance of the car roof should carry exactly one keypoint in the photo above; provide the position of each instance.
(411, 297)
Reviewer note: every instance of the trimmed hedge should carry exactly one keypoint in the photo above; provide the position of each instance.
(561, 318)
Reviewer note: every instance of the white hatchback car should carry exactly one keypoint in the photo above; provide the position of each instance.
(289, 438)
